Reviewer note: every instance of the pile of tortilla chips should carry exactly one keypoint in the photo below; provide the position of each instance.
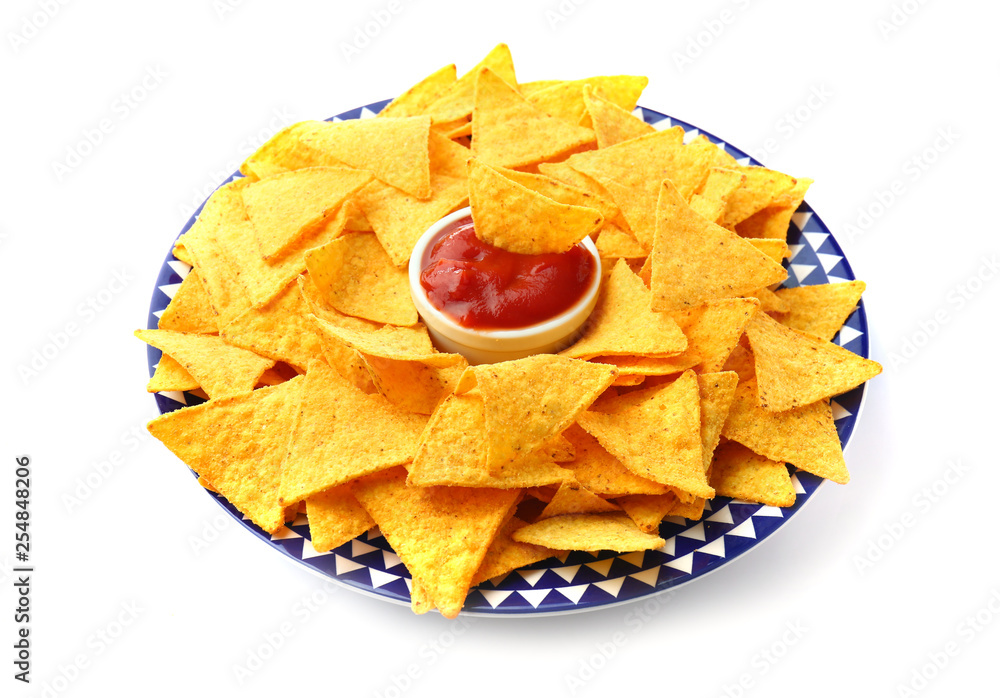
(694, 377)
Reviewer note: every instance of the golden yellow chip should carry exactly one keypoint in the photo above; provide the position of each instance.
(457, 102)
(648, 510)
(415, 100)
(565, 98)
(695, 260)
(612, 531)
(615, 243)
(506, 554)
(237, 444)
(611, 123)
(335, 517)
(226, 292)
(602, 473)
(715, 393)
(219, 368)
(633, 170)
(772, 220)
(394, 149)
(358, 278)
(739, 472)
(403, 365)
(440, 533)
(452, 451)
(822, 309)
(622, 323)
(170, 375)
(775, 249)
(532, 399)
(805, 436)
(282, 207)
(190, 310)
(795, 368)
(517, 219)
(659, 437)
(560, 191)
(574, 498)
(650, 365)
(761, 187)
(341, 434)
(399, 219)
(510, 131)
(713, 329)
(291, 148)
(710, 200)
(283, 329)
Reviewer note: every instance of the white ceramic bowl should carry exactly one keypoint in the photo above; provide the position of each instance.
(491, 346)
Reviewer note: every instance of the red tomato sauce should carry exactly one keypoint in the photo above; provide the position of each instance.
(486, 288)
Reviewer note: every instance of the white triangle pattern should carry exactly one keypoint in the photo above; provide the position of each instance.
(801, 271)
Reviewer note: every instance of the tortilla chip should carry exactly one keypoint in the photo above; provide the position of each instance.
(219, 368)
(796, 368)
(292, 148)
(775, 249)
(715, 393)
(649, 365)
(633, 170)
(415, 100)
(821, 310)
(510, 131)
(714, 328)
(615, 243)
(506, 554)
(394, 149)
(339, 355)
(358, 278)
(457, 102)
(190, 309)
(772, 221)
(399, 219)
(226, 292)
(263, 279)
(646, 510)
(170, 375)
(515, 218)
(611, 123)
(237, 444)
(622, 323)
(710, 201)
(452, 451)
(403, 364)
(530, 400)
(574, 498)
(740, 473)
(560, 191)
(282, 207)
(342, 433)
(602, 473)
(658, 438)
(761, 187)
(612, 531)
(440, 533)
(335, 517)
(283, 329)
(565, 99)
(182, 253)
(695, 260)
(805, 436)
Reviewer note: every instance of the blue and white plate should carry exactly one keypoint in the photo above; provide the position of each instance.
(580, 581)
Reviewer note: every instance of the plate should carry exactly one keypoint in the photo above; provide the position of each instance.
(581, 581)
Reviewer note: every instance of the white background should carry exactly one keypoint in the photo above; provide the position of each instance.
(832, 605)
